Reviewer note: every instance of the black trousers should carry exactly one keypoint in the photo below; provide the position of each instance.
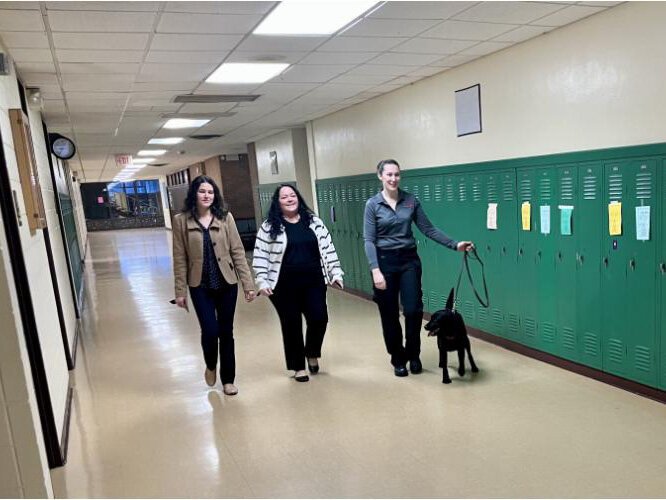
(215, 310)
(402, 272)
(295, 298)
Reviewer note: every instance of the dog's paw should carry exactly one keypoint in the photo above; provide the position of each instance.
(475, 370)
(446, 381)
(461, 372)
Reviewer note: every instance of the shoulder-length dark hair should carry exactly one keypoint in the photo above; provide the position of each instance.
(275, 218)
(218, 207)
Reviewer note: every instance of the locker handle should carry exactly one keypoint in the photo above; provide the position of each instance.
(520, 251)
(488, 248)
(632, 264)
(559, 255)
(538, 253)
(503, 250)
(606, 261)
(662, 268)
(581, 259)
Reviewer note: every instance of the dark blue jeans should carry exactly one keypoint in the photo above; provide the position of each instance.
(215, 310)
(402, 272)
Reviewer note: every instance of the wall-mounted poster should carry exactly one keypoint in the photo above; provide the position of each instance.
(468, 110)
(274, 164)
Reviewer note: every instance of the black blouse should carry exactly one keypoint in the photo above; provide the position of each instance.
(211, 276)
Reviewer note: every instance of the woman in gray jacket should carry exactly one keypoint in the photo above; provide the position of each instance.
(294, 259)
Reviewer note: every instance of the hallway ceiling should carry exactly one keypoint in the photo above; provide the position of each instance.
(109, 71)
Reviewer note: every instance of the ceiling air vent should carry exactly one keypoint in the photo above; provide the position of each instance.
(205, 137)
(215, 98)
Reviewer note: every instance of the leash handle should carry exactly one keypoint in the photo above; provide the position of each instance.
(465, 266)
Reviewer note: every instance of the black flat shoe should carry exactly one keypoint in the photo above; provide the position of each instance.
(302, 378)
(400, 371)
(313, 368)
(415, 366)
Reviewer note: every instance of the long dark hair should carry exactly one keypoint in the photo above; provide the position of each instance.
(218, 207)
(275, 218)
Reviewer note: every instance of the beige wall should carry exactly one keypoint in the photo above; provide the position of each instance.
(23, 465)
(597, 83)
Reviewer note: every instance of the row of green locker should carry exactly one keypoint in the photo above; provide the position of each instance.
(583, 295)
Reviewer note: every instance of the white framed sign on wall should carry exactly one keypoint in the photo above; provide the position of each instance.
(468, 110)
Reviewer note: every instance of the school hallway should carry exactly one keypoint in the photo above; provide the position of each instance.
(144, 423)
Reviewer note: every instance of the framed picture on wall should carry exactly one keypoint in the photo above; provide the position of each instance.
(274, 163)
(27, 167)
(468, 110)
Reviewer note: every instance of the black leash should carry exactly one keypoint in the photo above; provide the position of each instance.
(465, 265)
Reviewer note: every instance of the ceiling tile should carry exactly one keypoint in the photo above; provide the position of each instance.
(25, 40)
(463, 30)
(104, 22)
(99, 68)
(433, 46)
(163, 86)
(338, 57)
(281, 57)
(381, 69)
(600, 4)
(522, 33)
(73, 82)
(21, 20)
(394, 27)
(217, 88)
(568, 15)
(370, 79)
(164, 56)
(103, 41)
(191, 72)
(99, 56)
(207, 23)
(282, 92)
(312, 73)
(38, 67)
(213, 43)
(508, 12)
(219, 107)
(220, 7)
(31, 55)
(257, 43)
(360, 44)
(485, 48)
(427, 71)
(106, 6)
(39, 79)
(420, 10)
(454, 60)
(405, 59)
(19, 5)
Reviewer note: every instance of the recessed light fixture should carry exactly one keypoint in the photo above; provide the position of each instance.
(311, 18)
(140, 161)
(246, 72)
(151, 152)
(185, 123)
(166, 140)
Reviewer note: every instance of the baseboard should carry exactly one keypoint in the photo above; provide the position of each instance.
(64, 441)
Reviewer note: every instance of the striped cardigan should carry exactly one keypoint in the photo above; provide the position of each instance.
(267, 258)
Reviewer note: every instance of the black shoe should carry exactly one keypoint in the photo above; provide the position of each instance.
(301, 378)
(400, 371)
(313, 368)
(415, 366)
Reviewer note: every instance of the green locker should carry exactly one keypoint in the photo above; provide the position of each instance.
(508, 231)
(662, 282)
(565, 295)
(589, 230)
(440, 217)
(527, 284)
(628, 277)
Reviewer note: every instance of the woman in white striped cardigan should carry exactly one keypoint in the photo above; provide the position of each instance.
(294, 259)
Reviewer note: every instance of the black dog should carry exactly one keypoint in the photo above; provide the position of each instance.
(448, 325)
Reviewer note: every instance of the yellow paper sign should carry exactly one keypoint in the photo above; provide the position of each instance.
(615, 218)
(526, 211)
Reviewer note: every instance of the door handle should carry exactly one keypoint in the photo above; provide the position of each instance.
(606, 261)
(662, 268)
(520, 252)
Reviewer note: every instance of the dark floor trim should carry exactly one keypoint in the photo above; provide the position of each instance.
(64, 441)
(586, 371)
(75, 344)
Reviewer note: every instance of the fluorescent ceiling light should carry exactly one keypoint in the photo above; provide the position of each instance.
(151, 152)
(311, 18)
(185, 123)
(166, 140)
(139, 161)
(246, 72)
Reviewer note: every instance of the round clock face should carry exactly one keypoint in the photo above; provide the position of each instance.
(63, 148)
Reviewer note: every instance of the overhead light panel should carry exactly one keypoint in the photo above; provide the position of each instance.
(185, 123)
(143, 161)
(151, 152)
(311, 18)
(166, 140)
(246, 72)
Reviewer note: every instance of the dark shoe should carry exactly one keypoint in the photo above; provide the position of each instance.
(301, 378)
(313, 367)
(415, 366)
(400, 371)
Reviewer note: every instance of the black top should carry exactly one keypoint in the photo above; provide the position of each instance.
(302, 253)
(211, 276)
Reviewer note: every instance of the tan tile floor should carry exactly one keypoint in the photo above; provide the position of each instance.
(144, 423)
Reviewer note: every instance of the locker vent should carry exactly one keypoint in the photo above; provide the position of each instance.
(616, 351)
(545, 189)
(526, 189)
(548, 332)
(438, 192)
(530, 328)
(350, 194)
(491, 187)
(590, 344)
(615, 187)
(644, 185)
(426, 192)
(568, 339)
(462, 190)
(476, 189)
(344, 195)
(590, 187)
(566, 188)
(433, 302)
(364, 193)
(513, 324)
(450, 195)
(468, 310)
(643, 358)
(483, 316)
(498, 320)
(507, 188)
(415, 191)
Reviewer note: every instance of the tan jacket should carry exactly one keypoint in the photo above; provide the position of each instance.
(188, 252)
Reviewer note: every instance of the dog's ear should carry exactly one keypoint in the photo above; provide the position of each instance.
(449, 301)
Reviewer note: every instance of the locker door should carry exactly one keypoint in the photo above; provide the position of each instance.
(446, 216)
(527, 248)
(439, 217)
(508, 232)
(544, 259)
(462, 228)
(590, 233)
(488, 246)
(662, 280)
(564, 296)
(474, 231)
(357, 234)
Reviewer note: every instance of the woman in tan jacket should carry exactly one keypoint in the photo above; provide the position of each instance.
(209, 259)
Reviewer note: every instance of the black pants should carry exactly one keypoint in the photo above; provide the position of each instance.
(294, 298)
(402, 272)
(215, 310)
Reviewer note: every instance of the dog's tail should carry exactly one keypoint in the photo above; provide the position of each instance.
(449, 301)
